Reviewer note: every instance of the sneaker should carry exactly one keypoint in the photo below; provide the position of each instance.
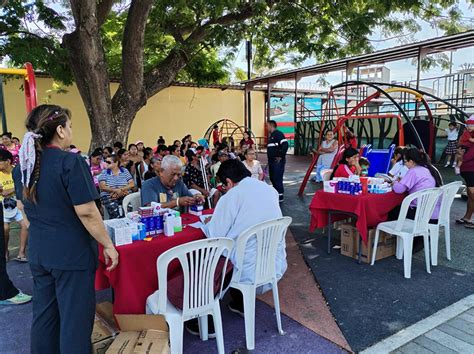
(236, 308)
(192, 326)
(446, 164)
(18, 299)
(455, 164)
(457, 170)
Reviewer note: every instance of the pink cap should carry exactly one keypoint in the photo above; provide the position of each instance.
(139, 142)
(75, 151)
(470, 120)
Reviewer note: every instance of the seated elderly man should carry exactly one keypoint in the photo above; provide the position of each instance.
(168, 188)
(248, 202)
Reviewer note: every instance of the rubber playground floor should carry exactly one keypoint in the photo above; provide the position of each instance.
(330, 303)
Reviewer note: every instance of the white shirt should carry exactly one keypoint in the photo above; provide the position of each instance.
(249, 203)
(255, 170)
(452, 134)
(398, 170)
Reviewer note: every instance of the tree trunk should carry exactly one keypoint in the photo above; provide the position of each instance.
(87, 61)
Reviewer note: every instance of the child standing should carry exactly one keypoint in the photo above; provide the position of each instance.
(11, 212)
(452, 133)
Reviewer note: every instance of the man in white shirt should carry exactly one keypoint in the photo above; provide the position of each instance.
(247, 202)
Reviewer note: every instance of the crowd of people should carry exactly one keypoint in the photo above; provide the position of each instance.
(63, 208)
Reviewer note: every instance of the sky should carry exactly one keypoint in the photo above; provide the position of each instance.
(400, 71)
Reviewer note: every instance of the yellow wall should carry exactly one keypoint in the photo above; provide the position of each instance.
(172, 113)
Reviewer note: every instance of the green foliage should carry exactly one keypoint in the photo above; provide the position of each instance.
(281, 32)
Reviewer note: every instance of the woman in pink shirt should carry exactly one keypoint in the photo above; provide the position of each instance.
(421, 175)
(9, 145)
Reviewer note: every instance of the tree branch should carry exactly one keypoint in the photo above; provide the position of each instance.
(165, 73)
(131, 86)
(103, 9)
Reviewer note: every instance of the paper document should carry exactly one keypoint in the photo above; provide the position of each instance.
(197, 225)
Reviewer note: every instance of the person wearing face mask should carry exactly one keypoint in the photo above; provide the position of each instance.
(58, 195)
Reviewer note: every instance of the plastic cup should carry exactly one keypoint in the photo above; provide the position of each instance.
(364, 181)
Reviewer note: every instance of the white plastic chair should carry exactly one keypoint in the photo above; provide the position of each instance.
(406, 229)
(449, 193)
(199, 261)
(268, 236)
(134, 199)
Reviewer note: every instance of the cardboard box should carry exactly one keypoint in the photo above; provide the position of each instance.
(141, 334)
(386, 246)
(104, 330)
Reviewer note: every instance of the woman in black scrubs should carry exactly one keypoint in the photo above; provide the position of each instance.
(59, 199)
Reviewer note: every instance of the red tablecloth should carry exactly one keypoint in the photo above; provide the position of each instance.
(135, 277)
(370, 209)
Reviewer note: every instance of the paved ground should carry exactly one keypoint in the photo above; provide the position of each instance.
(450, 330)
(373, 303)
(368, 304)
(453, 336)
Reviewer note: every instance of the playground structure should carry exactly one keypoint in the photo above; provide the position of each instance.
(419, 114)
(29, 87)
(379, 158)
(229, 132)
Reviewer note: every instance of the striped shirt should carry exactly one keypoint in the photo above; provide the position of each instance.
(112, 181)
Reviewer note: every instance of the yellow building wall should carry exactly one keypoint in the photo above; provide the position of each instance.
(172, 113)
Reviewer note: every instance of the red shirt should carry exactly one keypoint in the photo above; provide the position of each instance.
(352, 142)
(248, 143)
(464, 140)
(344, 171)
(215, 136)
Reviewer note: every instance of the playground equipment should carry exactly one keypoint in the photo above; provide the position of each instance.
(29, 87)
(229, 132)
(418, 112)
(29, 84)
(379, 158)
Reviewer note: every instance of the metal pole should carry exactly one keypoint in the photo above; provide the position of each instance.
(418, 71)
(246, 104)
(295, 118)
(249, 76)
(2, 107)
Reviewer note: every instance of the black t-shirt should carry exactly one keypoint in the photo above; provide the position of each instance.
(57, 237)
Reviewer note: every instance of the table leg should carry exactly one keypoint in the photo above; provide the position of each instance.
(329, 232)
(359, 256)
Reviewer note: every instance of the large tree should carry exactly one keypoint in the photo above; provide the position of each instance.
(146, 44)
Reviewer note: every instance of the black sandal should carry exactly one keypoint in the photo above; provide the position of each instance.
(463, 221)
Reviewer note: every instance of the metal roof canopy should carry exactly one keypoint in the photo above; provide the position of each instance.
(418, 49)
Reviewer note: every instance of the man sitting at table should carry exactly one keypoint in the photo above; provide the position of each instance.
(168, 188)
(248, 202)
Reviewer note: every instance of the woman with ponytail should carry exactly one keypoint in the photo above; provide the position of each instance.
(421, 175)
(58, 195)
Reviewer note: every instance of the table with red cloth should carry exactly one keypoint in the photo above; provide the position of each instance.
(135, 277)
(369, 209)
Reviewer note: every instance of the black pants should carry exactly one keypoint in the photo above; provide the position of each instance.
(63, 310)
(276, 169)
(7, 290)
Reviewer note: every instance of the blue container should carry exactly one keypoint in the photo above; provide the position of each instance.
(158, 221)
(141, 231)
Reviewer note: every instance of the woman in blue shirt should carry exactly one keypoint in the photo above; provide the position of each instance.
(58, 196)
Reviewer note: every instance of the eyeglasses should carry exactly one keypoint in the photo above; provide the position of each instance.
(108, 162)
